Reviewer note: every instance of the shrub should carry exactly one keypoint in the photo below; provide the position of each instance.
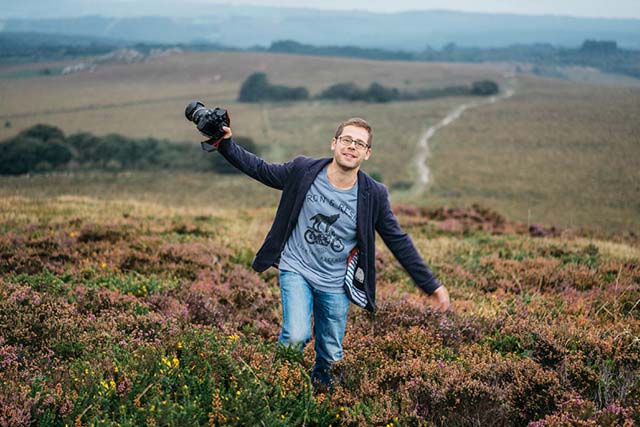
(43, 132)
(24, 154)
(376, 92)
(348, 91)
(43, 147)
(377, 175)
(188, 336)
(484, 88)
(256, 88)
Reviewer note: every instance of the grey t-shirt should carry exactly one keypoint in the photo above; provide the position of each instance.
(324, 235)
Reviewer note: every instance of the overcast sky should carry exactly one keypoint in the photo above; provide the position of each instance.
(593, 8)
(582, 8)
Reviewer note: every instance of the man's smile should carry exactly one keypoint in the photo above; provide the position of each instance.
(349, 155)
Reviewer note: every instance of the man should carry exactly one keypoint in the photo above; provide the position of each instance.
(323, 239)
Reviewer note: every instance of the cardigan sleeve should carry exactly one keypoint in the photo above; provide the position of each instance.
(402, 247)
(272, 174)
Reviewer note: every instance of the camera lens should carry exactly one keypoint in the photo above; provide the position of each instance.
(192, 108)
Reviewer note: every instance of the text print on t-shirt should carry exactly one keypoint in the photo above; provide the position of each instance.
(319, 230)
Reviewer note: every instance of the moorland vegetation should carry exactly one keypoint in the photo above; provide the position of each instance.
(128, 314)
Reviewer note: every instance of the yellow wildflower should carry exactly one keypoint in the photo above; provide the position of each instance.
(166, 361)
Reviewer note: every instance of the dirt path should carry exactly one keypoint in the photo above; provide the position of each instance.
(424, 176)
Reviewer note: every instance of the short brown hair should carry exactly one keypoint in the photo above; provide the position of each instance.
(357, 122)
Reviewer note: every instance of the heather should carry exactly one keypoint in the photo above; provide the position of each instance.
(130, 314)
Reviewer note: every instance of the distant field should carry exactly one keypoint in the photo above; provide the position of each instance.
(555, 153)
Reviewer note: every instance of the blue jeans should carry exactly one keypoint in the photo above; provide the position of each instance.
(299, 301)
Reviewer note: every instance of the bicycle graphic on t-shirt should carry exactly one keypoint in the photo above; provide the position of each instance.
(321, 233)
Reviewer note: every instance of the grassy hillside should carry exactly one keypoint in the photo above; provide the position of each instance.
(538, 157)
(554, 152)
(130, 313)
(128, 298)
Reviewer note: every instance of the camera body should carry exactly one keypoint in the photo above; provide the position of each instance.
(209, 122)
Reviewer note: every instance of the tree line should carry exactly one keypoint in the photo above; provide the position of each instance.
(604, 55)
(257, 88)
(44, 148)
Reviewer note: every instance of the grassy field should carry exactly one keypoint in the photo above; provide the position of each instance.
(556, 153)
(148, 100)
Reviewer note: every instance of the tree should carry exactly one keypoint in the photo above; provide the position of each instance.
(43, 132)
(379, 93)
(22, 155)
(348, 91)
(257, 88)
(254, 88)
(597, 46)
(484, 88)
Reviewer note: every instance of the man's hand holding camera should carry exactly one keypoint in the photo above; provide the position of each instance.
(210, 123)
(227, 132)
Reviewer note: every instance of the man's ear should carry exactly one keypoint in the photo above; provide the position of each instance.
(369, 152)
(333, 144)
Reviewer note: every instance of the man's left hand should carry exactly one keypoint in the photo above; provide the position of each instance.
(440, 299)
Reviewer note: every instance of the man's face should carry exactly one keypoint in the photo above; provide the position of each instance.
(347, 152)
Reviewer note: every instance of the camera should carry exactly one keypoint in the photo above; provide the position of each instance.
(209, 122)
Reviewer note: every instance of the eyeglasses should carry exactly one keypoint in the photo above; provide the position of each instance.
(347, 141)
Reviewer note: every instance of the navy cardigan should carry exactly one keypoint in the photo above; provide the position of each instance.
(294, 179)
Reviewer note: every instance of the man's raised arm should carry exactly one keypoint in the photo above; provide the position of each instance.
(271, 174)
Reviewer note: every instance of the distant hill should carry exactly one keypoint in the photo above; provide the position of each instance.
(546, 59)
(248, 26)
